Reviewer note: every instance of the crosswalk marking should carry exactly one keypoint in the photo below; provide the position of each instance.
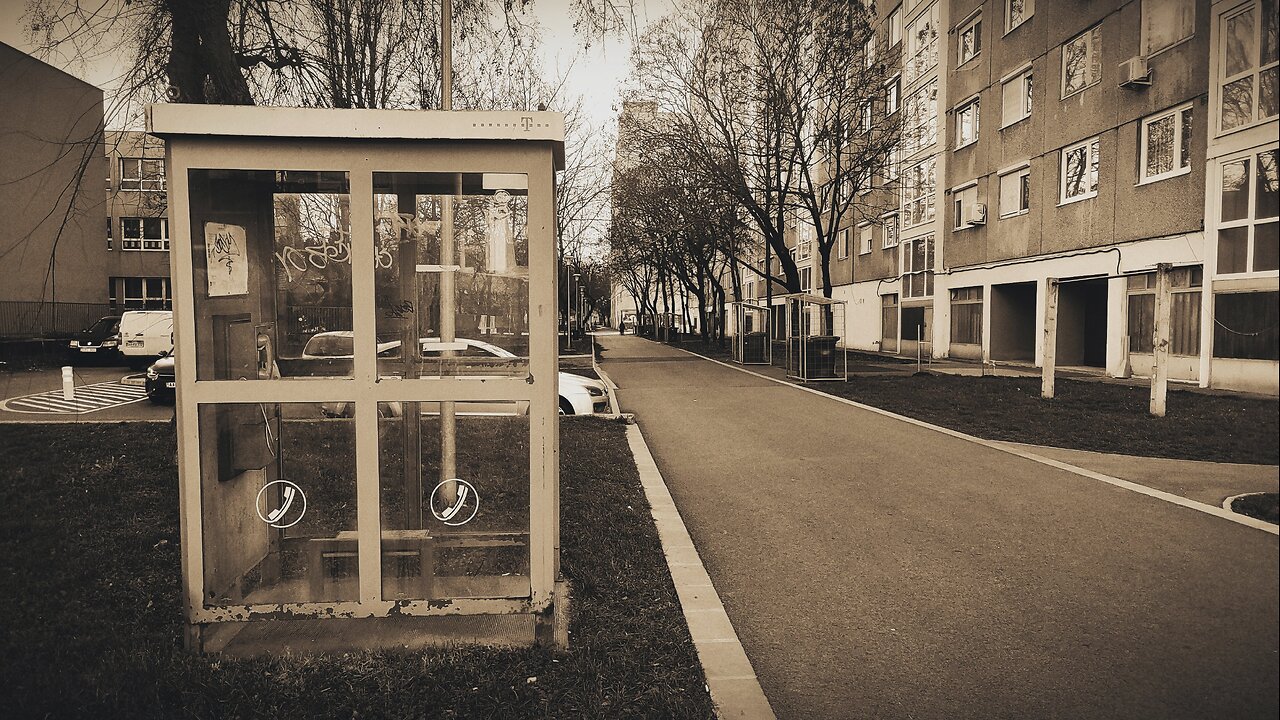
(89, 398)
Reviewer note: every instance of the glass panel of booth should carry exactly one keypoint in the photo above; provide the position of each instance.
(278, 504)
(271, 260)
(452, 273)
(455, 524)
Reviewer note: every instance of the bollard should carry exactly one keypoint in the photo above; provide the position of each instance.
(68, 384)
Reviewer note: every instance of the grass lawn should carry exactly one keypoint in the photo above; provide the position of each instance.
(1084, 415)
(1263, 506)
(92, 618)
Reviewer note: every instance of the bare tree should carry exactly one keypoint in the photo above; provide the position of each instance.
(772, 102)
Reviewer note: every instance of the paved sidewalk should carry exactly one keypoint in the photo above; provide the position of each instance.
(1205, 482)
(876, 568)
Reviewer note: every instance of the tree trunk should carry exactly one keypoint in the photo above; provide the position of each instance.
(202, 65)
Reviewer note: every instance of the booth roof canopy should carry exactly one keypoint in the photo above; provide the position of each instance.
(175, 120)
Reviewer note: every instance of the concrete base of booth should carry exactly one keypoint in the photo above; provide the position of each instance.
(311, 636)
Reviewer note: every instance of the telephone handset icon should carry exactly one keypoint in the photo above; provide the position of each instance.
(463, 492)
(452, 514)
(293, 505)
(279, 512)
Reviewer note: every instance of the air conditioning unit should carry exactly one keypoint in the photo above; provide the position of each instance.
(974, 214)
(1135, 73)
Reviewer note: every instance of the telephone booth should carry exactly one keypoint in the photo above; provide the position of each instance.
(366, 369)
(749, 344)
(815, 326)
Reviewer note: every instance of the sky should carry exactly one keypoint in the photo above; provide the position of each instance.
(596, 72)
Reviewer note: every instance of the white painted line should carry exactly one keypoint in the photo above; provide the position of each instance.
(89, 398)
(734, 695)
(1126, 484)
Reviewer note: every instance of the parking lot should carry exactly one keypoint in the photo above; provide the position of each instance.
(103, 393)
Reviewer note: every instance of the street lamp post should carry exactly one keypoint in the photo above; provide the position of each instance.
(569, 307)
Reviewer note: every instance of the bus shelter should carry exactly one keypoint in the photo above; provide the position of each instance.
(366, 367)
(815, 326)
(749, 344)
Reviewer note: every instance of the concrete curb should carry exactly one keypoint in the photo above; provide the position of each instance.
(1226, 505)
(732, 681)
(1118, 482)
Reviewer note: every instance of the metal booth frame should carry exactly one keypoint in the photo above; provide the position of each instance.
(361, 143)
(739, 351)
(798, 323)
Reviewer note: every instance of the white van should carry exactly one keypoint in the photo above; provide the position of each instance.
(144, 334)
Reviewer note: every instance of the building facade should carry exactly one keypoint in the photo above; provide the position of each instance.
(51, 129)
(1079, 143)
(137, 242)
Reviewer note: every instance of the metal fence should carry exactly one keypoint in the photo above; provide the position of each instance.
(24, 319)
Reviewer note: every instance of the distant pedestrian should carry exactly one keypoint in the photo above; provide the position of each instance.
(622, 327)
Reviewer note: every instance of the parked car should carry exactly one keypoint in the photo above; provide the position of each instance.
(160, 380)
(578, 395)
(328, 354)
(101, 339)
(144, 335)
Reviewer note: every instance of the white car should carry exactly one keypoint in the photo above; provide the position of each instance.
(578, 395)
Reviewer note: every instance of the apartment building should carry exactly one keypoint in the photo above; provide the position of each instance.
(137, 244)
(1080, 143)
(1241, 208)
(50, 141)
(888, 263)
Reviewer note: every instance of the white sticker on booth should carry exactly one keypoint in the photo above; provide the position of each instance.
(228, 262)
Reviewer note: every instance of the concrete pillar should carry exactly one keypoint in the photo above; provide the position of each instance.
(1049, 342)
(1160, 342)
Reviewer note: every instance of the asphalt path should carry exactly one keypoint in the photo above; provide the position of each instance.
(877, 569)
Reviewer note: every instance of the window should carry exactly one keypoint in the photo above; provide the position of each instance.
(962, 198)
(1247, 65)
(143, 293)
(967, 124)
(842, 244)
(1015, 192)
(1246, 325)
(889, 238)
(970, 42)
(110, 231)
(922, 44)
(917, 267)
(1248, 240)
(966, 316)
(1184, 315)
(1017, 98)
(806, 279)
(144, 233)
(1082, 62)
(1079, 178)
(1017, 12)
(141, 174)
(921, 128)
(892, 161)
(869, 51)
(1166, 23)
(895, 26)
(804, 242)
(892, 95)
(865, 238)
(865, 114)
(1166, 145)
(918, 193)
